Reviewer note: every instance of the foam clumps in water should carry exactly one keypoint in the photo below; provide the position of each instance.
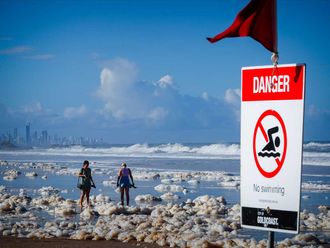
(31, 174)
(205, 221)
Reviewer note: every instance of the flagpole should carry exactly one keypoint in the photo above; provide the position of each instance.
(275, 56)
(276, 33)
(274, 59)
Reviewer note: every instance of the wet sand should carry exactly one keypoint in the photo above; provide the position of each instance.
(11, 242)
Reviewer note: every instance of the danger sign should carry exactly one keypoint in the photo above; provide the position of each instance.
(271, 146)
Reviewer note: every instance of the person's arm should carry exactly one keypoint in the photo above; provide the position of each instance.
(130, 175)
(81, 173)
(118, 178)
(92, 180)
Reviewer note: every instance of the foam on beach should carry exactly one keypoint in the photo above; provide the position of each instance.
(194, 223)
(162, 216)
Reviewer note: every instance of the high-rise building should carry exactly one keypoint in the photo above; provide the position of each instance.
(15, 135)
(27, 134)
(34, 139)
(44, 138)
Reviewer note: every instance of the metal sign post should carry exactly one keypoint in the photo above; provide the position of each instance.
(270, 243)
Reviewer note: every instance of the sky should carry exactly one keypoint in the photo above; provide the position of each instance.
(143, 72)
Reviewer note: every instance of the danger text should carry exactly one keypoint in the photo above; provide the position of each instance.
(271, 84)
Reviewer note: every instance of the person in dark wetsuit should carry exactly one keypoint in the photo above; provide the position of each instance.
(123, 182)
(87, 183)
(270, 146)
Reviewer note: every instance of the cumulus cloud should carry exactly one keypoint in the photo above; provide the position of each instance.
(166, 81)
(233, 99)
(127, 99)
(74, 112)
(127, 109)
(233, 96)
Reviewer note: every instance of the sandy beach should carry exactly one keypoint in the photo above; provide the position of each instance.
(10, 242)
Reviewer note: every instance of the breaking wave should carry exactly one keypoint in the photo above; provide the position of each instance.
(314, 153)
(223, 151)
(317, 147)
(176, 150)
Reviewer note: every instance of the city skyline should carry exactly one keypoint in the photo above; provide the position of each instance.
(143, 72)
(33, 137)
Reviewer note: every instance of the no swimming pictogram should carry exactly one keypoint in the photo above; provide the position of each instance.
(269, 143)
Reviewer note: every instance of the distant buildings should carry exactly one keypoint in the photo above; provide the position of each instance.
(44, 140)
(27, 134)
(15, 135)
(44, 137)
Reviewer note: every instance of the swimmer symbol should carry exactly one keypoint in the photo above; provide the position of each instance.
(269, 150)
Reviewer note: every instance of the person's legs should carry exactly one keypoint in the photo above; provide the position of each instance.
(82, 195)
(87, 196)
(127, 195)
(122, 196)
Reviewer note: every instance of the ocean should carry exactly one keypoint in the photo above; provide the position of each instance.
(171, 161)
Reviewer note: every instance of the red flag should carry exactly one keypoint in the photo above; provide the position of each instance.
(257, 20)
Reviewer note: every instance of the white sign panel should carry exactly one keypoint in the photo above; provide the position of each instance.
(271, 146)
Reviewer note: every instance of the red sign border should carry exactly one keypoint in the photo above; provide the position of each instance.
(246, 97)
(279, 162)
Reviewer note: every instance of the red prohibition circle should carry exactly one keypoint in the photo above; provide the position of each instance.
(278, 161)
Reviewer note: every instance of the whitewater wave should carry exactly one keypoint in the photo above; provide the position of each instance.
(176, 150)
(314, 153)
(317, 147)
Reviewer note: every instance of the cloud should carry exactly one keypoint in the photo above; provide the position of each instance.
(126, 98)
(166, 81)
(233, 99)
(159, 104)
(120, 91)
(157, 114)
(26, 49)
(16, 50)
(46, 56)
(233, 96)
(205, 96)
(126, 109)
(33, 108)
(75, 112)
(34, 113)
